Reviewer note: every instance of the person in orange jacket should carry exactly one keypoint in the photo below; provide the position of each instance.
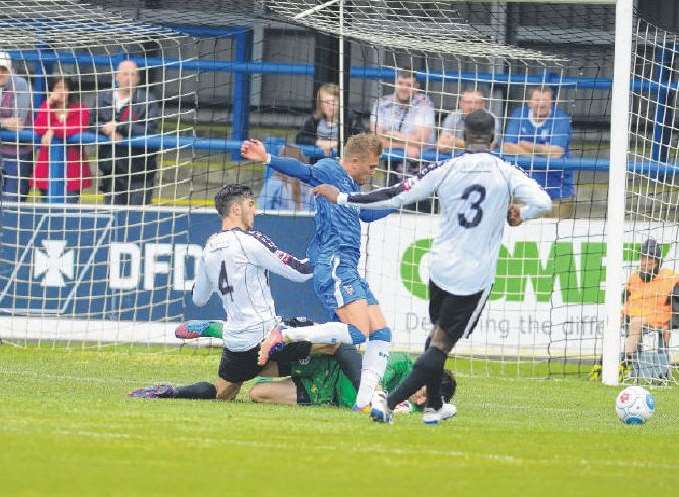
(651, 299)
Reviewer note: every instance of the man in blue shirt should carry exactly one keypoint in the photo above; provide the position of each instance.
(335, 250)
(540, 128)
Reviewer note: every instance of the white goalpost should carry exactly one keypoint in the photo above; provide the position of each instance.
(620, 103)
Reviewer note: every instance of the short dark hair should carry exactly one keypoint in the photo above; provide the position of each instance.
(651, 248)
(542, 89)
(229, 195)
(448, 385)
(479, 127)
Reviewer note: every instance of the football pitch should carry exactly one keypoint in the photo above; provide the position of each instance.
(67, 428)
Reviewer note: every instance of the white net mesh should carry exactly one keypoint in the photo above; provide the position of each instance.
(256, 70)
(650, 340)
(94, 136)
(429, 26)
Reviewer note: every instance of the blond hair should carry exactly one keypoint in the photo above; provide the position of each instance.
(330, 89)
(363, 144)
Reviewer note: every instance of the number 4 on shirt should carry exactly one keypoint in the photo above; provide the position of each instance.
(223, 283)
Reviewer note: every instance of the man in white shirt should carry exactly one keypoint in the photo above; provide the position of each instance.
(404, 119)
(476, 192)
(235, 265)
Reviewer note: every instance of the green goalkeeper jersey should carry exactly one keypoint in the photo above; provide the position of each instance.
(325, 384)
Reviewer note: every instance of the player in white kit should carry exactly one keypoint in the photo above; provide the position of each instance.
(477, 191)
(235, 265)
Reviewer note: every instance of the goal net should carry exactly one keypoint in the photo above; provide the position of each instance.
(413, 70)
(302, 76)
(95, 136)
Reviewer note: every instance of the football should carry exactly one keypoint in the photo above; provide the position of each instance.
(634, 405)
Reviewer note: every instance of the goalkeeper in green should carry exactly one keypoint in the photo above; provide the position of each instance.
(318, 380)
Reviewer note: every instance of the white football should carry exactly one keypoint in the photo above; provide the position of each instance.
(634, 405)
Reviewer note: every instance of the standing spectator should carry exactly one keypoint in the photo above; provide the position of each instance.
(123, 113)
(541, 128)
(61, 116)
(452, 129)
(405, 119)
(15, 115)
(322, 127)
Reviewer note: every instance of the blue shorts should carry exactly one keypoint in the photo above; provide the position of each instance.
(338, 285)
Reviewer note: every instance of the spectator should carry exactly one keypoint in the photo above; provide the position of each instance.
(651, 299)
(61, 116)
(452, 129)
(405, 119)
(321, 128)
(541, 128)
(15, 115)
(123, 113)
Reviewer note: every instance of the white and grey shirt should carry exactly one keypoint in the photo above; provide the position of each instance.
(475, 190)
(391, 115)
(235, 265)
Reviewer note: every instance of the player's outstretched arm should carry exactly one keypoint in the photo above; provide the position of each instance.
(254, 150)
(370, 215)
(393, 197)
(267, 255)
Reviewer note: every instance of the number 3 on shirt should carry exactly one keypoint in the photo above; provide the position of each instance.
(473, 206)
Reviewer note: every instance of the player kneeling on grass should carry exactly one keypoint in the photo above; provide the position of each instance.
(476, 191)
(234, 265)
(319, 380)
(345, 359)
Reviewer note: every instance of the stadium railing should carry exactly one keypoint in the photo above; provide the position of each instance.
(242, 66)
(174, 142)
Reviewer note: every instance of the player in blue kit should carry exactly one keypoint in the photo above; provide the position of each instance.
(334, 253)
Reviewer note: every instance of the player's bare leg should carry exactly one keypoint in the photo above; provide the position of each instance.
(226, 390)
(278, 392)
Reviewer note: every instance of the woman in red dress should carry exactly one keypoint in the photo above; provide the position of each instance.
(61, 116)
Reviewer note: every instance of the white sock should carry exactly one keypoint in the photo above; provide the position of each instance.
(331, 332)
(374, 365)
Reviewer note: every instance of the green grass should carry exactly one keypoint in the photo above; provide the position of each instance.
(68, 429)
